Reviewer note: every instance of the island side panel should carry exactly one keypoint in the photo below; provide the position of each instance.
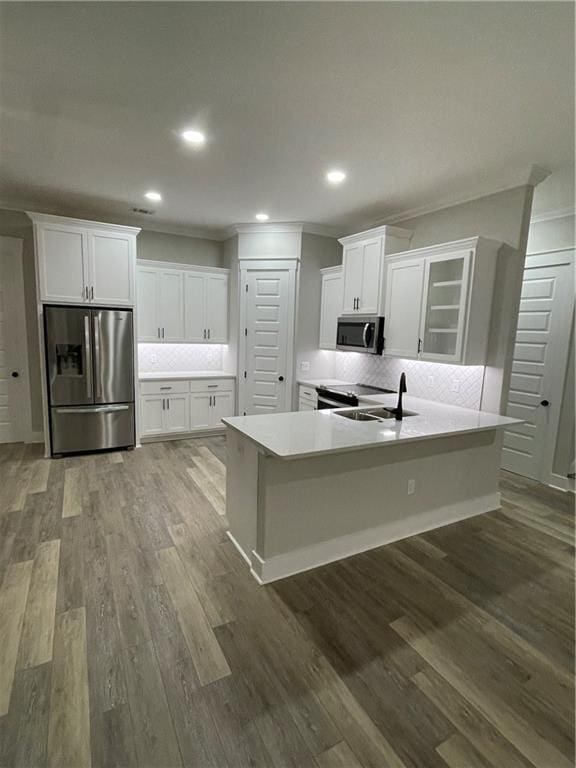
(242, 492)
(320, 509)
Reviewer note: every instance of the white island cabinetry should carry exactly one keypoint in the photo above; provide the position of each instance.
(304, 489)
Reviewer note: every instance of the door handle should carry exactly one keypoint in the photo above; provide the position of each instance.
(88, 356)
(14, 374)
(545, 403)
(365, 334)
(97, 359)
(280, 378)
(167, 403)
(419, 346)
(93, 409)
(92, 293)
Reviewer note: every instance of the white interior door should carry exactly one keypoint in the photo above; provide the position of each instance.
(14, 384)
(269, 318)
(538, 369)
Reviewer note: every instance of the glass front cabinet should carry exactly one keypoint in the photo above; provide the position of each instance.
(443, 314)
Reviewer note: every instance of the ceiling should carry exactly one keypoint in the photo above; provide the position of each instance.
(421, 104)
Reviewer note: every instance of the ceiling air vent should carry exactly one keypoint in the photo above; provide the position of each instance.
(145, 211)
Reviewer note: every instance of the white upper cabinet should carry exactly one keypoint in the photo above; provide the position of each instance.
(404, 283)
(182, 304)
(439, 300)
(216, 302)
(364, 270)
(84, 262)
(111, 260)
(330, 306)
(172, 306)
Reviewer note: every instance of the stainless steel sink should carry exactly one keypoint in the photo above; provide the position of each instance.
(372, 414)
(357, 415)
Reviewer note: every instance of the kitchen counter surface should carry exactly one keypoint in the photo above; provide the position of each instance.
(184, 375)
(296, 435)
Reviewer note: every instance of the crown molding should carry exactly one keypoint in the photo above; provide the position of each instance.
(382, 231)
(530, 177)
(557, 213)
(48, 218)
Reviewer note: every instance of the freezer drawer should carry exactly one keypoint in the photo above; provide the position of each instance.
(92, 428)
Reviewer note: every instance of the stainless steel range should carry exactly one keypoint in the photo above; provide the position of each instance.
(340, 396)
(90, 370)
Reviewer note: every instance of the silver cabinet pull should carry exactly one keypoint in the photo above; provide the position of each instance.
(163, 404)
(162, 332)
(92, 293)
(208, 332)
(165, 388)
(212, 386)
(88, 356)
(204, 332)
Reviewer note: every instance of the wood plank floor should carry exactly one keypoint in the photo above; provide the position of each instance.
(131, 633)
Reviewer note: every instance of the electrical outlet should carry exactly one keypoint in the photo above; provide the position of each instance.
(304, 365)
(411, 486)
(455, 385)
(154, 358)
(430, 381)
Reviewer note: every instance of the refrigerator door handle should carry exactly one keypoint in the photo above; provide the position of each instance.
(97, 358)
(94, 409)
(88, 353)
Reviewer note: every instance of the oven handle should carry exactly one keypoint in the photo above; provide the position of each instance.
(332, 403)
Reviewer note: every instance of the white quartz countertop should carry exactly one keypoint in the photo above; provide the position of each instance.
(164, 375)
(310, 433)
(324, 382)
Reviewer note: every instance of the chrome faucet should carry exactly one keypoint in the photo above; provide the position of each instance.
(401, 390)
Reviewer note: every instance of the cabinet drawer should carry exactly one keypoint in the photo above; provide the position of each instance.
(168, 387)
(309, 393)
(212, 385)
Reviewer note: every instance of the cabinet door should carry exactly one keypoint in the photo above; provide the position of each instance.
(445, 306)
(371, 277)
(172, 306)
(352, 278)
(148, 304)
(330, 309)
(151, 415)
(305, 405)
(111, 259)
(200, 410)
(194, 307)
(216, 295)
(222, 405)
(177, 413)
(62, 264)
(403, 306)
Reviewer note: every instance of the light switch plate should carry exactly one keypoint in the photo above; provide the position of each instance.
(305, 365)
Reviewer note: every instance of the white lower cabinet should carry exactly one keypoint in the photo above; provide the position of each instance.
(184, 406)
(307, 398)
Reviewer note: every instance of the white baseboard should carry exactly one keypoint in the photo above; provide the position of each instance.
(307, 558)
(215, 432)
(560, 482)
(35, 436)
(245, 557)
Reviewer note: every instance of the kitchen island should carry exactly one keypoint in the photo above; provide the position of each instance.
(308, 488)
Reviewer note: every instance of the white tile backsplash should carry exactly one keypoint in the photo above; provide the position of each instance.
(179, 358)
(455, 384)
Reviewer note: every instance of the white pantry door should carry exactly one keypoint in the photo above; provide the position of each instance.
(14, 385)
(538, 369)
(269, 318)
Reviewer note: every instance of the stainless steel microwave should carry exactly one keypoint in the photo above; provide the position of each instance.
(360, 334)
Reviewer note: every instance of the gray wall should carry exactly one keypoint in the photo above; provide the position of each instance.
(180, 249)
(317, 252)
(504, 217)
(151, 245)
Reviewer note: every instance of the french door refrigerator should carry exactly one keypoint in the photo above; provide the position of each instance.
(90, 370)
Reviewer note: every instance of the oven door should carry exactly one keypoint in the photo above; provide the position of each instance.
(324, 403)
(360, 334)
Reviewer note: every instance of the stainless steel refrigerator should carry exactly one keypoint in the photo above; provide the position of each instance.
(90, 369)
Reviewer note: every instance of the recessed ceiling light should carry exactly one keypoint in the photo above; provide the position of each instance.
(262, 217)
(156, 197)
(193, 137)
(335, 177)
